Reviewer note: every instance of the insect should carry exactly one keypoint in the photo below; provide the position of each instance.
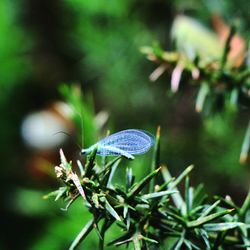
(126, 143)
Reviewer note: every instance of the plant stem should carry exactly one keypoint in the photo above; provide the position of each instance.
(156, 158)
(106, 225)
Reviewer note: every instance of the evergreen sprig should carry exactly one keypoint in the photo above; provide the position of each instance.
(155, 216)
(221, 84)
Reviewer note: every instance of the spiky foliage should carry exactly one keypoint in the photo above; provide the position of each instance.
(223, 82)
(152, 213)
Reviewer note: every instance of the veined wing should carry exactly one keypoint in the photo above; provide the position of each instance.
(131, 141)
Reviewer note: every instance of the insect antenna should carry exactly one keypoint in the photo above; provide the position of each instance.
(79, 112)
(70, 136)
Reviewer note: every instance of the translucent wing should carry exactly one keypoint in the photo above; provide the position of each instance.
(131, 141)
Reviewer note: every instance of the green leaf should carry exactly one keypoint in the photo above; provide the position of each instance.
(129, 178)
(112, 172)
(125, 210)
(128, 221)
(226, 201)
(194, 246)
(142, 208)
(60, 192)
(210, 208)
(215, 227)
(112, 211)
(177, 198)
(165, 184)
(178, 218)
(196, 210)
(139, 186)
(127, 237)
(205, 238)
(180, 242)
(82, 235)
(188, 196)
(57, 193)
(245, 207)
(181, 176)
(245, 145)
(203, 220)
(109, 165)
(246, 242)
(149, 240)
(90, 163)
(199, 195)
(79, 164)
(188, 244)
(158, 194)
(245, 236)
(201, 98)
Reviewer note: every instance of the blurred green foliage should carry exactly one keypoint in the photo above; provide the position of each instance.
(109, 34)
(14, 47)
(83, 114)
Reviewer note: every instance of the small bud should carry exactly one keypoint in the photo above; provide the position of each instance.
(85, 180)
(139, 237)
(176, 77)
(59, 171)
(157, 187)
(228, 198)
(195, 73)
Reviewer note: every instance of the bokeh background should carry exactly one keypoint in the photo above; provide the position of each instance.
(93, 48)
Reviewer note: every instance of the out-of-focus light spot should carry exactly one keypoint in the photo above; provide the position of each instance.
(44, 130)
(101, 119)
(64, 109)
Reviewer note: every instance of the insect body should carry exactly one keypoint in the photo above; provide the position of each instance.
(126, 143)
